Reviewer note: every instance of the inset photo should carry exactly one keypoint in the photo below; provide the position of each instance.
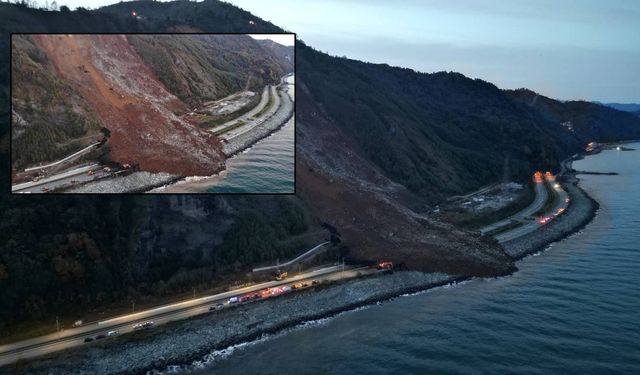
(153, 113)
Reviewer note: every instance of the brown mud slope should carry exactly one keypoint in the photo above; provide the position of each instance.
(133, 105)
(372, 213)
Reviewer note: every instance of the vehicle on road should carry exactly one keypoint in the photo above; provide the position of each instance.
(77, 323)
(249, 297)
(147, 324)
(233, 300)
(216, 307)
(299, 286)
(112, 333)
(281, 276)
(100, 337)
(88, 339)
(544, 220)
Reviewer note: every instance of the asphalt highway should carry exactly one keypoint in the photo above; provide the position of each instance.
(60, 179)
(264, 99)
(73, 337)
(535, 206)
(560, 205)
(253, 122)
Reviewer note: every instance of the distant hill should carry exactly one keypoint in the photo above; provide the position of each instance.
(589, 121)
(626, 107)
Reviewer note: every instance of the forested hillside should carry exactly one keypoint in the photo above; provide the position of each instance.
(208, 67)
(590, 121)
(65, 121)
(58, 254)
(438, 134)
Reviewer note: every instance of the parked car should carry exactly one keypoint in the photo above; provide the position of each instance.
(77, 323)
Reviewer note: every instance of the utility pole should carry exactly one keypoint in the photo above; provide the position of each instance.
(57, 325)
(133, 306)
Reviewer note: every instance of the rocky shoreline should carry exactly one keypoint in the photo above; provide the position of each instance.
(185, 344)
(270, 125)
(136, 182)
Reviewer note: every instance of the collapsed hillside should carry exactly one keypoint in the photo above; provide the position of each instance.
(135, 87)
(376, 146)
(136, 108)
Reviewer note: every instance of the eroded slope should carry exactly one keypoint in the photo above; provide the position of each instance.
(138, 110)
(373, 214)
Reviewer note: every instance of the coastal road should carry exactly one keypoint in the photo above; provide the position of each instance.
(253, 122)
(68, 158)
(73, 337)
(263, 102)
(63, 178)
(560, 205)
(535, 206)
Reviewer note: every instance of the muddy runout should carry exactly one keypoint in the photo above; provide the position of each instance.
(137, 109)
(374, 215)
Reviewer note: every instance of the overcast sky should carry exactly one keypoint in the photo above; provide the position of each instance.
(566, 49)
(284, 39)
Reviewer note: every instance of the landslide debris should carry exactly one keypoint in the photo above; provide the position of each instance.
(137, 109)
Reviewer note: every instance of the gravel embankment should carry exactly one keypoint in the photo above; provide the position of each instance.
(183, 342)
(579, 213)
(136, 182)
(268, 126)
